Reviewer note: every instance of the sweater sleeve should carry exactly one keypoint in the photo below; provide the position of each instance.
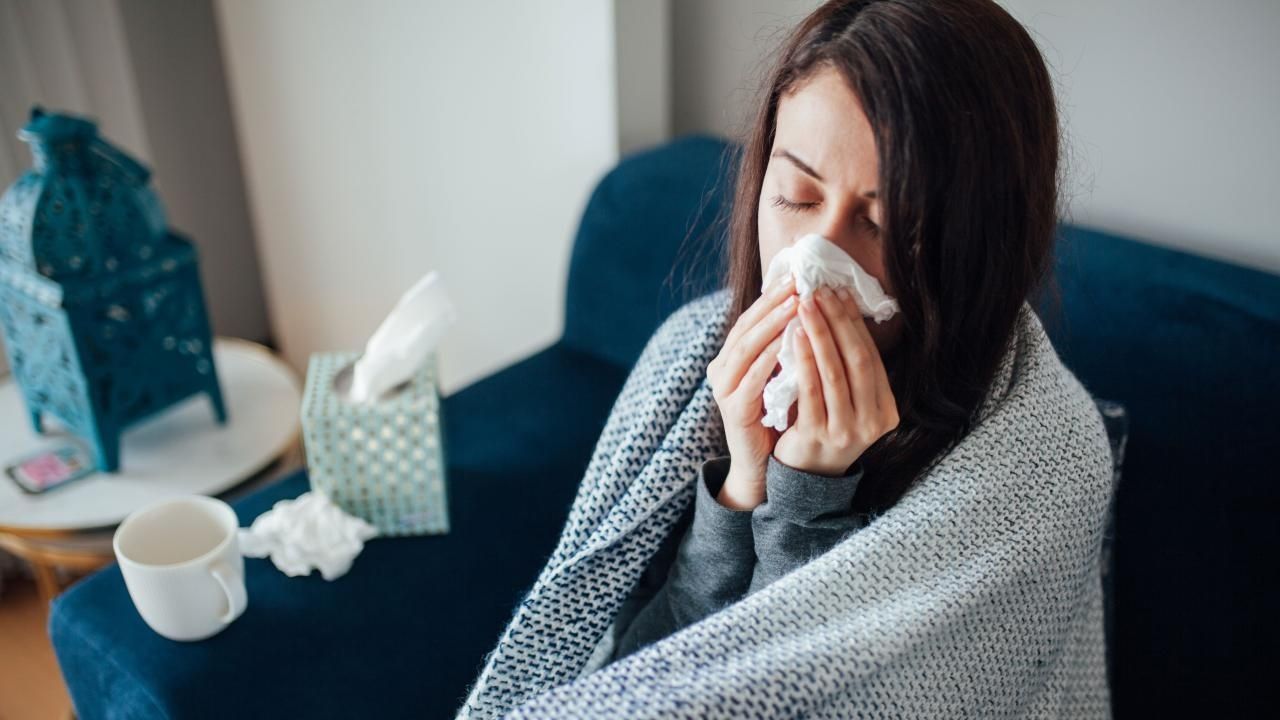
(803, 516)
(712, 566)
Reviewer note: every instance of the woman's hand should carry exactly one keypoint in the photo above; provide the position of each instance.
(845, 403)
(738, 375)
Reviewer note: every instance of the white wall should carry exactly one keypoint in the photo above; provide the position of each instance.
(720, 52)
(642, 33)
(1172, 107)
(459, 136)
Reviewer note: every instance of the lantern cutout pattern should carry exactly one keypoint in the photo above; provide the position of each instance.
(101, 305)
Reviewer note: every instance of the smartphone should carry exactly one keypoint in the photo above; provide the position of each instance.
(51, 468)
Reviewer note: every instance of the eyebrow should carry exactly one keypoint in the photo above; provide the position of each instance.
(804, 167)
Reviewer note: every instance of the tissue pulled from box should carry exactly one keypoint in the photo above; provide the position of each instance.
(404, 340)
(305, 533)
(815, 262)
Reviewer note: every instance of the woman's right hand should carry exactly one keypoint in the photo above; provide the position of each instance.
(738, 375)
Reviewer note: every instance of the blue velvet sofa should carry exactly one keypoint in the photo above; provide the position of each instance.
(1189, 345)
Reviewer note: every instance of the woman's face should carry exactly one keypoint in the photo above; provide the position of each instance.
(821, 178)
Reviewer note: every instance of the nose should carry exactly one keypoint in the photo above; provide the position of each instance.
(836, 225)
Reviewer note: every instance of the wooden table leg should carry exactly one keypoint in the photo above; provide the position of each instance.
(47, 555)
(46, 580)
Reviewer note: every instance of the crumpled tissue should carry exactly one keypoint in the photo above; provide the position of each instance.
(815, 262)
(305, 533)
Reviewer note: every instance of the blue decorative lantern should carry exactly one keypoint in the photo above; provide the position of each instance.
(101, 305)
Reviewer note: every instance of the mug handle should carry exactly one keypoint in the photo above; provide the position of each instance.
(235, 592)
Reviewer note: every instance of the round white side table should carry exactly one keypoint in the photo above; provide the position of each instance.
(179, 451)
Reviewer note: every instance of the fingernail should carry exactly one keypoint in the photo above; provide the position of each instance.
(789, 302)
(844, 293)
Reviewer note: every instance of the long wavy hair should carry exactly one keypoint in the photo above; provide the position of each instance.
(967, 134)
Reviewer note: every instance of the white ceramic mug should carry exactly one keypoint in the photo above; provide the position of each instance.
(182, 565)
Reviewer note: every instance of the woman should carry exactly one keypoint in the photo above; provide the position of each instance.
(962, 272)
(920, 136)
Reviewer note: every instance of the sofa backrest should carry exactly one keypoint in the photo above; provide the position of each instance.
(648, 242)
(1191, 347)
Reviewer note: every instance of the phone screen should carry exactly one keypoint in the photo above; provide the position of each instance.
(51, 468)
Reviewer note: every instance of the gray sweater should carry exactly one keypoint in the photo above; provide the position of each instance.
(719, 555)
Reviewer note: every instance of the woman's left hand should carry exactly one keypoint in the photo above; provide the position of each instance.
(845, 403)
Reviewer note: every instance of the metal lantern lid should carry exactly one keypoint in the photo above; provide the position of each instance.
(84, 209)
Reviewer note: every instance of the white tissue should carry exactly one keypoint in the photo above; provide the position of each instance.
(815, 262)
(404, 339)
(308, 532)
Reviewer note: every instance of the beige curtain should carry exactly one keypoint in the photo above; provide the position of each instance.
(151, 75)
(69, 56)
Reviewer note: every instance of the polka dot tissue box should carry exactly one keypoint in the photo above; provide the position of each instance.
(371, 421)
(383, 460)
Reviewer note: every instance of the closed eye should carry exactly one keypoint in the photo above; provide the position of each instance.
(785, 204)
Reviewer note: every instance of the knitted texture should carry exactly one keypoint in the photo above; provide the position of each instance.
(977, 594)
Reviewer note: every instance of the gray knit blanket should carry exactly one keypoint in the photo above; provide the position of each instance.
(978, 594)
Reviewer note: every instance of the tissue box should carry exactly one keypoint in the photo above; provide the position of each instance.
(382, 461)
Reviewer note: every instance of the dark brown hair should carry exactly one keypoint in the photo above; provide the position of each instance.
(962, 108)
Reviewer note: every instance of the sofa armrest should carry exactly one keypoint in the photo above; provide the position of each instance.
(405, 631)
